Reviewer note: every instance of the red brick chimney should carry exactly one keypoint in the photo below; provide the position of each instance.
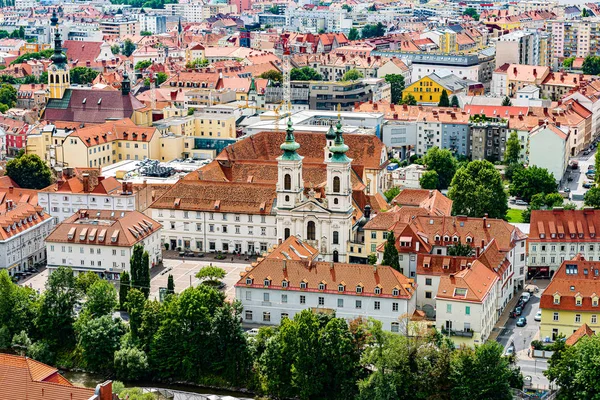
(86, 183)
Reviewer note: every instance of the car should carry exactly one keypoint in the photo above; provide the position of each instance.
(586, 152)
(518, 311)
(522, 321)
(566, 190)
(526, 297)
(252, 332)
(510, 351)
(590, 176)
(520, 202)
(538, 316)
(587, 185)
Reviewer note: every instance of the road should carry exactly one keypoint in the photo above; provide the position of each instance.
(521, 337)
(578, 176)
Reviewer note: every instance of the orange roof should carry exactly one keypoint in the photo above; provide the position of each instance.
(584, 330)
(27, 379)
(293, 249)
(124, 129)
(432, 200)
(470, 285)
(564, 225)
(386, 220)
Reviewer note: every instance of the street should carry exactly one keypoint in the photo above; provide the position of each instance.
(578, 177)
(521, 337)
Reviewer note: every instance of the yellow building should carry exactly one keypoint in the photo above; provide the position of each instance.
(571, 299)
(428, 90)
(200, 125)
(28, 48)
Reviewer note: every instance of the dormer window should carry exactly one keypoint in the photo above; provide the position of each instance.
(267, 282)
(553, 235)
(341, 288)
(578, 300)
(581, 235)
(359, 289)
(595, 301)
(469, 239)
(446, 238)
(455, 238)
(284, 284)
(395, 292)
(437, 238)
(426, 265)
(542, 235)
(321, 286)
(248, 281)
(303, 285)
(556, 299)
(377, 290)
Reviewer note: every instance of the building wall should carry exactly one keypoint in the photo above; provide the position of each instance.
(260, 301)
(542, 144)
(420, 71)
(567, 322)
(552, 254)
(24, 249)
(63, 205)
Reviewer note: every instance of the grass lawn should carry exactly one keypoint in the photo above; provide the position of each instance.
(514, 215)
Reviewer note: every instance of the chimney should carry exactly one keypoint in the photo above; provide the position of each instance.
(124, 187)
(375, 268)
(331, 264)
(105, 390)
(485, 220)
(452, 280)
(10, 189)
(9, 205)
(86, 183)
(534, 72)
(515, 70)
(367, 211)
(430, 193)
(284, 265)
(469, 265)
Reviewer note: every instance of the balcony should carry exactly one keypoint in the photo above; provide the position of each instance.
(452, 332)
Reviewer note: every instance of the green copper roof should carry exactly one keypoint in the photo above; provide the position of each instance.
(252, 85)
(339, 148)
(330, 135)
(290, 145)
(58, 58)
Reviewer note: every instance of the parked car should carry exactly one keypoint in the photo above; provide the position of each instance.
(522, 321)
(590, 176)
(510, 351)
(526, 297)
(518, 311)
(587, 185)
(538, 316)
(520, 202)
(586, 152)
(566, 190)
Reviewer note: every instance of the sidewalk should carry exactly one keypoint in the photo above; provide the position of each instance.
(503, 319)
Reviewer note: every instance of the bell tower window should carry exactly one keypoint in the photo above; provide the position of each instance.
(287, 182)
(336, 184)
(311, 230)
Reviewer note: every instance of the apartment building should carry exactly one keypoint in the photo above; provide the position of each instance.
(324, 95)
(23, 228)
(571, 299)
(574, 37)
(558, 235)
(154, 23)
(289, 280)
(520, 47)
(102, 241)
(550, 139)
(120, 27)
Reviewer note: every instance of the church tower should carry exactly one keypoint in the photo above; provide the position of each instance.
(290, 185)
(58, 73)
(339, 188)
(329, 139)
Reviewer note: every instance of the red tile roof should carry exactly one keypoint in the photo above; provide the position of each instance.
(432, 200)
(584, 330)
(564, 225)
(470, 285)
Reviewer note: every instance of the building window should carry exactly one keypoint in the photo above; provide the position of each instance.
(303, 285)
(266, 297)
(394, 306)
(358, 303)
(336, 237)
(310, 230)
(373, 235)
(395, 327)
(248, 315)
(395, 292)
(377, 290)
(284, 316)
(302, 299)
(284, 298)
(577, 318)
(467, 310)
(321, 286)
(594, 319)
(377, 305)
(449, 308)
(287, 182)
(555, 316)
(340, 303)
(428, 281)
(321, 301)
(248, 293)
(359, 289)
(428, 295)
(266, 316)
(336, 184)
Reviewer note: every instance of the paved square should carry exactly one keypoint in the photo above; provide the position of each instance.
(184, 275)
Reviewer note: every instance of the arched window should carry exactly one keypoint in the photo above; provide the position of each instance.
(336, 184)
(336, 201)
(336, 237)
(287, 198)
(336, 256)
(51, 78)
(286, 233)
(287, 182)
(311, 233)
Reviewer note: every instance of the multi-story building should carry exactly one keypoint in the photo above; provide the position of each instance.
(120, 27)
(519, 47)
(488, 137)
(558, 235)
(574, 37)
(154, 23)
(314, 20)
(466, 304)
(102, 241)
(23, 228)
(571, 299)
(549, 139)
(508, 79)
(428, 90)
(290, 279)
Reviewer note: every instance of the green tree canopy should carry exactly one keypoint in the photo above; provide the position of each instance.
(506, 101)
(131, 364)
(454, 101)
(8, 95)
(197, 63)
(391, 193)
(461, 250)
(85, 280)
(592, 197)
(471, 12)
(352, 75)
(527, 182)
(390, 252)
(591, 65)
(305, 74)
(370, 31)
(82, 75)
(477, 190)
(353, 34)
(272, 75)
(444, 100)
(115, 49)
(124, 286)
(542, 201)
(98, 339)
(568, 62)
(396, 82)
(170, 285)
(29, 171)
(513, 149)
(211, 275)
(146, 33)
(101, 299)
(429, 180)
(409, 100)
(140, 270)
(128, 47)
(142, 65)
(443, 162)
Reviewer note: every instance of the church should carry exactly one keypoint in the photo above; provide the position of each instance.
(272, 185)
(67, 103)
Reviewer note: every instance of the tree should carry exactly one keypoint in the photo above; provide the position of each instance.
(197, 63)
(8, 95)
(443, 162)
(212, 275)
(390, 252)
(454, 101)
(140, 270)
(135, 307)
(477, 189)
(274, 9)
(82, 75)
(146, 33)
(131, 364)
(21, 343)
(142, 65)
(460, 250)
(170, 285)
(98, 339)
(540, 201)
(409, 100)
(352, 75)
(191, 111)
(429, 180)
(369, 31)
(592, 197)
(444, 100)
(591, 65)
(584, 13)
(471, 12)
(272, 75)
(529, 181)
(29, 171)
(161, 78)
(396, 82)
(101, 299)
(391, 193)
(128, 47)
(506, 101)
(372, 259)
(346, 7)
(56, 315)
(597, 163)
(574, 369)
(85, 280)
(305, 74)
(115, 49)
(568, 62)
(513, 149)
(353, 34)
(124, 286)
